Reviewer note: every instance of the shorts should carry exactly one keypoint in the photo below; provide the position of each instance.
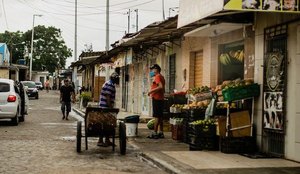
(65, 105)
(158, 108)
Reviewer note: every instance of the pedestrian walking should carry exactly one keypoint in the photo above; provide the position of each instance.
(107, 100)
(66, 92)
(157, 94)
(47, 85)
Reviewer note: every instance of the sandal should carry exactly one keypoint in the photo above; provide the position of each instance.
(101, 144)
(153, 136)
(109, 144)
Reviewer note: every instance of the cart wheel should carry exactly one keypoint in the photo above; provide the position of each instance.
(78, 137)
(122, 138)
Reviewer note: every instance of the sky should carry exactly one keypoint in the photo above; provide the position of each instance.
(17, 15)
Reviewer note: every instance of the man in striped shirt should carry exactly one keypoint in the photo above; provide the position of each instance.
(108, 92)
(107, 100)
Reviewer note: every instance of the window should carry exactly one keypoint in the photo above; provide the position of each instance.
(4, 87)
(172, 72)
(231, 61)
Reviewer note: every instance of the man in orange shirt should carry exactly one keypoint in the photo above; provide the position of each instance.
(157, 94)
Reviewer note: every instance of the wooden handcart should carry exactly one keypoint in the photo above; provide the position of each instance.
(101, 122)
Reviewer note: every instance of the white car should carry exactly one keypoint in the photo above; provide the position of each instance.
(12, 101)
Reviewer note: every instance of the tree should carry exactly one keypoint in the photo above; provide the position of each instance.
(49, 48)
(15, 43)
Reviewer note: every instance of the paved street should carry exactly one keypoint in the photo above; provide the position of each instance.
(46, 144)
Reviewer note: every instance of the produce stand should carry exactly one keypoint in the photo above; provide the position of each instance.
(239, 137)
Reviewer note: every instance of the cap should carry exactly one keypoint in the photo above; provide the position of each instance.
(114, 75)
(155, 66)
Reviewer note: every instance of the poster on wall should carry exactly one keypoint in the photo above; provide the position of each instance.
(273, 116)
(274, 91)
(263, 5)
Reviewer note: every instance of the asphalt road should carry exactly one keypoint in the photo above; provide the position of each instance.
(45, 143)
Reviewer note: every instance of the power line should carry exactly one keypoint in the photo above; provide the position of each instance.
(31, 6)
(3, 6)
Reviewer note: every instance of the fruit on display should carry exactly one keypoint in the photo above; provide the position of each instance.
(176, 108)
(198, 90)
(232, 57)
(197, 105)
(225, 105)
(204, 122)
(236, 83)
(225, 59)
(150, 124)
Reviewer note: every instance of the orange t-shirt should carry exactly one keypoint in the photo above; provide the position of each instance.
(158, 95)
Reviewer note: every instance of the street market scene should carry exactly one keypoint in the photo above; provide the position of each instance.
(194, 87)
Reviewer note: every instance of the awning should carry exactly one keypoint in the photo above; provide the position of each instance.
(212, 30)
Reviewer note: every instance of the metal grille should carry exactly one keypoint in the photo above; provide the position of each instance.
(275, 42)
(172, 72)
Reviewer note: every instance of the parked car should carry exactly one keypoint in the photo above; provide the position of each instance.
(39, 85)
(12, 101)
(31, 89)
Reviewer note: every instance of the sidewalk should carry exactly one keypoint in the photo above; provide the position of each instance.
(121, 115)
(175, 157)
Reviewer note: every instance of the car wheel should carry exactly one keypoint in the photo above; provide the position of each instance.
(15, 120)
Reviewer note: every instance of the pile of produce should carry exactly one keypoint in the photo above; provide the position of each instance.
(176, 121)
(204, 122)
(199, 93)
(225, 105)
(236, 83)
(176, 108)
(197, 90)
(197, 105)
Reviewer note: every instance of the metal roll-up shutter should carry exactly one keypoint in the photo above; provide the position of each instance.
(198, 69)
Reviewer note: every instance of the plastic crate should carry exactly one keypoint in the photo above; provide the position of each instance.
(202, 130)
(203, 143)
(241, 92)
(177, 132)
(238, 144)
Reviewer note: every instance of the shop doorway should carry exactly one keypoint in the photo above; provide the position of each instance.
(196, 69)
(274, 90)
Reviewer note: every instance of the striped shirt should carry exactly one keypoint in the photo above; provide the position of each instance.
(107, 89)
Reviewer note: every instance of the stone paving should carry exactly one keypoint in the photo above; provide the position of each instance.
(46, 144)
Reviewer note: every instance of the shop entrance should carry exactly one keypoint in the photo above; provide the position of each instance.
(274, 90)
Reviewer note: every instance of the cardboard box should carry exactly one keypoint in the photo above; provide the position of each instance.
(221, 128)
(240, 119)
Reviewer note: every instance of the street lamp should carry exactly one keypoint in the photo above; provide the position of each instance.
(31, 50)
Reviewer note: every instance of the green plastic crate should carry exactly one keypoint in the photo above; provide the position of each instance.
(241, 92)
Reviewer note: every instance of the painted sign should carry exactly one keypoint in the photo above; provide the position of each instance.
(273, 93)
(262, 5)
(194, 10)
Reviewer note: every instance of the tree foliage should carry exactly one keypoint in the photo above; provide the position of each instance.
(49, 48)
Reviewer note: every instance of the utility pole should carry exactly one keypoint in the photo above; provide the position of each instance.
(74, 78)
(128, 21)
(31, 50)
(107, 38)
(137, 20)
(107, 25)
(163, 9)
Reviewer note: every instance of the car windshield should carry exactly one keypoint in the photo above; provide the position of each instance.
(38, 83)
(4, 87)
(29, 84)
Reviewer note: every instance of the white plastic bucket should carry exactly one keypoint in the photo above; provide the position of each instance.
(131, 129)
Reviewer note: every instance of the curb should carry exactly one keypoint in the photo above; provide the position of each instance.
(77, 111)
(159, 163)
